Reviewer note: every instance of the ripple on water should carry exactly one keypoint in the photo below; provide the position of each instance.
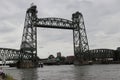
(68, 72)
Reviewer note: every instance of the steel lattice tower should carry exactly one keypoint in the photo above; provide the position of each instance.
(79, 36)
(29, 38)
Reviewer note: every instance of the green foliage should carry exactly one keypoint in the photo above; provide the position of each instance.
(8, 77)
(60, 59)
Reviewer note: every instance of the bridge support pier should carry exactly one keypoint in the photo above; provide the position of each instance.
(82, 62)
(27, 64)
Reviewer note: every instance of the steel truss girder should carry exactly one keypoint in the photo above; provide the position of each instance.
(102, 53)
(12, 54)
(54, 23)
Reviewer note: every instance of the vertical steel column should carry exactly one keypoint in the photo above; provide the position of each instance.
(29, 38)
(80, 41)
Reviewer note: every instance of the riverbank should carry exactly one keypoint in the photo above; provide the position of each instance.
(7, 77)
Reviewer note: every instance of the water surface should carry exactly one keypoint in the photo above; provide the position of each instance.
(68, 72)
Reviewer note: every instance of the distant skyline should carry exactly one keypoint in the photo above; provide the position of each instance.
(101, 17)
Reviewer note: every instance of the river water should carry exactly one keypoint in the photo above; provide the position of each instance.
(67, 72)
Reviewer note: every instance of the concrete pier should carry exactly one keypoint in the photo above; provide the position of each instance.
(26, 64)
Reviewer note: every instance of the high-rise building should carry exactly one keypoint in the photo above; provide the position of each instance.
(58, 54)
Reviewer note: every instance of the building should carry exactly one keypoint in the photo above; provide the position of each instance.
(70, 59)
(58, 54)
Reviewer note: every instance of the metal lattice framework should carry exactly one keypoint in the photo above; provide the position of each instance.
(12, 54)
(102, 53)
(79, 35)
(29, 39)
(54, 23)
(28, 49)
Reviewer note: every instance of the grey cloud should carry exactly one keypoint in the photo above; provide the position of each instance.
(100, 16)
(5, 28)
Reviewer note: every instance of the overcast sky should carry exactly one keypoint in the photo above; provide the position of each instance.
(101, 17)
